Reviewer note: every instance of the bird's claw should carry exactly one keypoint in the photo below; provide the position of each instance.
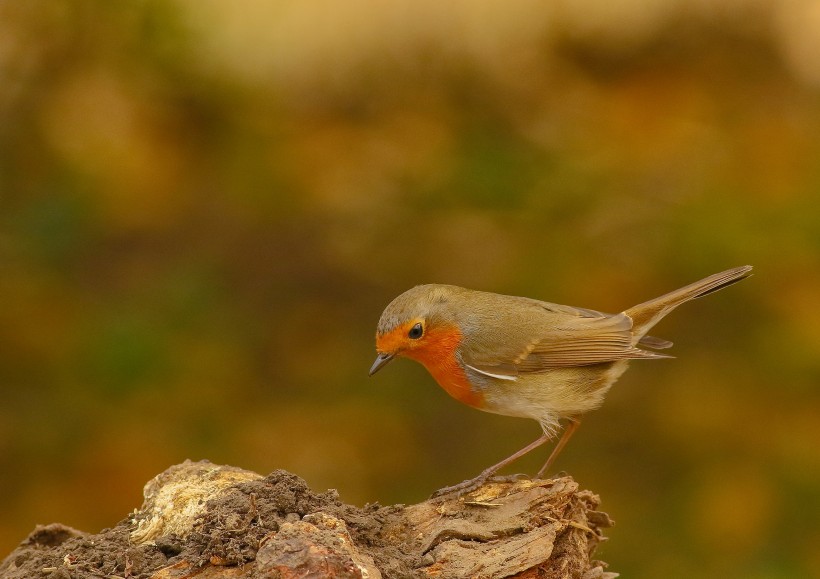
(461, 488)
(469, 486)
(511, 478)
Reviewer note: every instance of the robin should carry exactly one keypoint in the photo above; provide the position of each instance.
(523, 357)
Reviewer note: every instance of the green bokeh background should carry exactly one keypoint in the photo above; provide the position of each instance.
(205, 205)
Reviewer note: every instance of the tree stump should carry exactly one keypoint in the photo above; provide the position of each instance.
(205, 521)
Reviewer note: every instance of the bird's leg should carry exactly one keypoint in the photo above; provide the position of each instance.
(572, 425)
(472, 484)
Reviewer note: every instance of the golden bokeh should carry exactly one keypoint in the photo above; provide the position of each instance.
(206, 205)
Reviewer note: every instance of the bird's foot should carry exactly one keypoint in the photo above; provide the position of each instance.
(461, 488)
(509, 478)
(469, 486)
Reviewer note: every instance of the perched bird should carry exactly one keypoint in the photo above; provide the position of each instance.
(523, 357)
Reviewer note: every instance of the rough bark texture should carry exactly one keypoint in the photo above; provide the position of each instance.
(207, 521)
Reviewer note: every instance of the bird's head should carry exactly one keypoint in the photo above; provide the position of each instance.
(419, 324)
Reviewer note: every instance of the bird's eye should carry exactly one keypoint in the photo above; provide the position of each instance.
(416, 332)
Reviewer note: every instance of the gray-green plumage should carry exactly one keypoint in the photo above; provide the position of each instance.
(538, 359)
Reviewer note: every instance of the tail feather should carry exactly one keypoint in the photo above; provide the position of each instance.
(647, 314)
(654, 343)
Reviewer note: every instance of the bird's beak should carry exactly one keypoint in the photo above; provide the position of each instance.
(381, 360)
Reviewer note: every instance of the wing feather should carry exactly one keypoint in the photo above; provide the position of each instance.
(546, 336)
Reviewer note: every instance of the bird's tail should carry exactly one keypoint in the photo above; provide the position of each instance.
(647, 314)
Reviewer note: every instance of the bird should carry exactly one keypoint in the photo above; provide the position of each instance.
(522, 357)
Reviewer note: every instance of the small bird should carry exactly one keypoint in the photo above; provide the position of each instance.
(518, 356)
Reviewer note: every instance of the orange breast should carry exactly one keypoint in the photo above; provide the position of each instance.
(437, 354)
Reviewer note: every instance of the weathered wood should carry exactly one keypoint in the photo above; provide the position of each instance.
(207, 521)
(506, 528)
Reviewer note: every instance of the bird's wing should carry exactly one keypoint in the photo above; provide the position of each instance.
(552, 336)
(584, 341)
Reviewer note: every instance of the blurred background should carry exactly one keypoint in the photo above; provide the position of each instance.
(205, 206)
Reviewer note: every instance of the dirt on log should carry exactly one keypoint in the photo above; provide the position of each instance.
(205, 521)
